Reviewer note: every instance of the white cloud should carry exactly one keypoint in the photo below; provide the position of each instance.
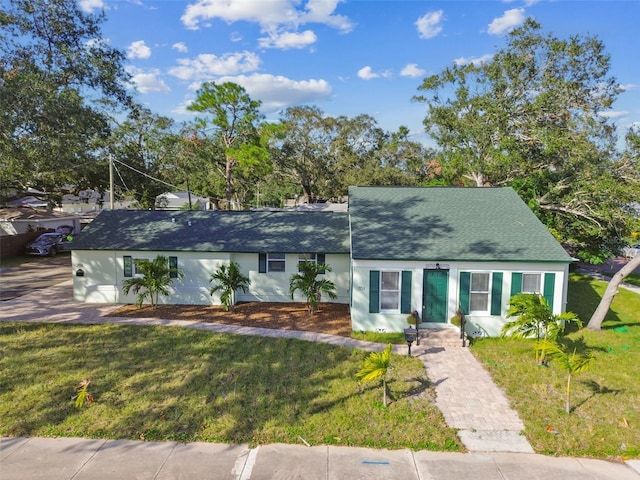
(138, 50)
(614, 113)
(270, 15)
(287, 40)
(475, 60)
(90, 5)
(180, 46)
(509, 20)
(628, 86)
(277, 92)
(366, 74)
(206, 66)
(429, 24)
(148, 81)
(412, 70)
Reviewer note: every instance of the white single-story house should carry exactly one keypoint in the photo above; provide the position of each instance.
(266, 245)
(397, 250)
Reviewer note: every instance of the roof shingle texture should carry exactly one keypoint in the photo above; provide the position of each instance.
(447, 224)
(216, 231)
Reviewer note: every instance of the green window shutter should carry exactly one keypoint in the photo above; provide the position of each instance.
(320, 257)
(262, 263)
(516, 283)
(548, 289)
(496, 294)
(465, 287)
(128, 266)
(405, 292)
(173, 267)
(374, 291)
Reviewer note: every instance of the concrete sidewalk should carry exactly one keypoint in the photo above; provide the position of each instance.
(79, 459)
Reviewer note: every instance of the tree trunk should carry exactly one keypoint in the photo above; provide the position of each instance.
(567, 405)
(595, 323)
(228, 181)
(384, 391)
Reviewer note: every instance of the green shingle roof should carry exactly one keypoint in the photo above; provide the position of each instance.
(447, 224)
(207, 231)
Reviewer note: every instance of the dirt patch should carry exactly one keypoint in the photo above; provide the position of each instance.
(330, 318)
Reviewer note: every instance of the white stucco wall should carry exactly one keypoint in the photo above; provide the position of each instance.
(104, 275)
(477, 324)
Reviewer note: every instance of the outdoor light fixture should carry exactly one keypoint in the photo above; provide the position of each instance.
(410, 335)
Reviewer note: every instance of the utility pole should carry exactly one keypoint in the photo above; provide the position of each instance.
(111, 182)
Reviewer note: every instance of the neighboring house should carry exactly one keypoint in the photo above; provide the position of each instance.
(266, 245)
(397, 250)
(20, 225)
(178, 201)
(437, 250)
(20, 220)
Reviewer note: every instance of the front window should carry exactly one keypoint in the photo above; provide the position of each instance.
(275, 262)
(479, 294)
(531, 283)
(389, 291)
(306, 257)
(136, 266)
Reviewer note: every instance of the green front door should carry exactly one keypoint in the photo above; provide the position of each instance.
(434, 296)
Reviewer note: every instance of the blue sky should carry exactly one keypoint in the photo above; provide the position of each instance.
(346, 57)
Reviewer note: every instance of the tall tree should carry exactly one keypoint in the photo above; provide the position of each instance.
(57, 75)
(301, 150)
(145, 147)
(234, 118)
(530, 118)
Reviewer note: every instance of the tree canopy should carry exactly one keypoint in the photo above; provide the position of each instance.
(57, 76)
(531, 118)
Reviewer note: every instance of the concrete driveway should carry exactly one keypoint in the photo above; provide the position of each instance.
(34, 274)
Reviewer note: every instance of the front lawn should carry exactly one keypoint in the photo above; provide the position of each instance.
(169, 383)
(605, 418)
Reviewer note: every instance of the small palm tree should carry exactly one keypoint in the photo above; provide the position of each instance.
(534, 318)
(375, 366)
(311, 287)
(573, 363)
(229, 280)
(155, 280)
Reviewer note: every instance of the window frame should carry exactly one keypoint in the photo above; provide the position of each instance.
(397, 291)
(272, 258)
(475, 293)
(134, 268)
(302, 257)
(531, 274)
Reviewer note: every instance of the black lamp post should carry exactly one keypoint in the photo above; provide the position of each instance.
(410, 335)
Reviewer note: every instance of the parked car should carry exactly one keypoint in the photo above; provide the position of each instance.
(50, 244)
(631, 251)
(65, 229)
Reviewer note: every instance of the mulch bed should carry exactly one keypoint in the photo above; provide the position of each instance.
(330, 318)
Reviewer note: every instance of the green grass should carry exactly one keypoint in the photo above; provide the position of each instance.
(166, 383)
(605, 417)
(380, 337)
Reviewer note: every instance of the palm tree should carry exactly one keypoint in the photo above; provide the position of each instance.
(375, 366)
(311, 287)
(155, 280)
(534, 318)
(573, 363)
(229, 281)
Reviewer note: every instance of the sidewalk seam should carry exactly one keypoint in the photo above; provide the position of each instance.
(88, 460)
